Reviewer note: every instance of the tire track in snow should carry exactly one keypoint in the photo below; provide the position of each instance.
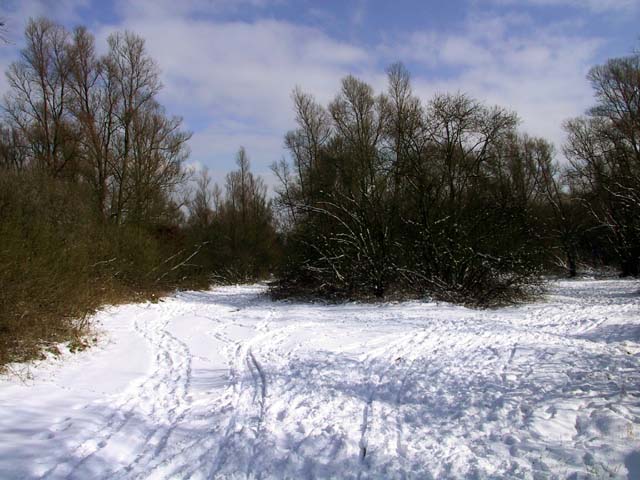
(508, 363)
(157, 440)
(260, 378)
(212, 450)
(201, 448)
(157, 401)
(439, 377)
(411, 349)
(363, 443)
(249, 398)
(389, 357)
(260, 386)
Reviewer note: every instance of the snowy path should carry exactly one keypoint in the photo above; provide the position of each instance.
(226, 384)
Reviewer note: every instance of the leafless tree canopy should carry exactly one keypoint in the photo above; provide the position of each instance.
(386, 193)
(381, 193)
(604, 150)
(94, 194)
(75, 115)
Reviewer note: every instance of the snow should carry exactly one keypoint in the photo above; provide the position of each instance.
(227, 384)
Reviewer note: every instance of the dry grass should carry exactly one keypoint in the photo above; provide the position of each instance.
(58, 264)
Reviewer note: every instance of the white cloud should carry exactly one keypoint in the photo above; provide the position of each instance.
(231, 80)
(245, 69)
(218, 144)
(434, 49)
(537, 72)
(597, 6)
(359, 13)
(183, 8)
(226, 73)
(16, 14)
(236, 77)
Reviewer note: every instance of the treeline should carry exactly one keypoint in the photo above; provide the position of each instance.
(96, 205)
(386, 194)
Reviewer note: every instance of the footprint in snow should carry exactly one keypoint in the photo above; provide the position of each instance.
(45, 435)
(552, 411)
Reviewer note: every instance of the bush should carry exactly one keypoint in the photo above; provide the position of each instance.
(386, 195)
(59, 262)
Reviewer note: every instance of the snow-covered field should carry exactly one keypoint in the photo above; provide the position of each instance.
(227, 384)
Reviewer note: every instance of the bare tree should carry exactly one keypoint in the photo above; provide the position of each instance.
(604, 150)
(548, 187)
(245, 217)
(202, 205)
(97, 118)
(306, 142)
(402, 194)
(13, 149)
(93, 106)
(406, 127)
(134, 76)
(158, 149)
(38, 100)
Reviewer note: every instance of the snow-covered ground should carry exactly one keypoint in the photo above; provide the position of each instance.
(227, 384)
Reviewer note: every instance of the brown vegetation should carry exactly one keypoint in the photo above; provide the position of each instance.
(92, 196)
(447, 199)
(385, 195)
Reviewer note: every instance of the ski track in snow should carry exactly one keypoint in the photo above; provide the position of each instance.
(238, 386)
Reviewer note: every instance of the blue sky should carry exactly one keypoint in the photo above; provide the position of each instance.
(228, 66)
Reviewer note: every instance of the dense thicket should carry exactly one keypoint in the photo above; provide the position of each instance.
(604, 150)
(384, 194)
(447, 198)
(237, 225)
(93, 192)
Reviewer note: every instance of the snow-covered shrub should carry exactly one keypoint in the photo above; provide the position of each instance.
(386, 194)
